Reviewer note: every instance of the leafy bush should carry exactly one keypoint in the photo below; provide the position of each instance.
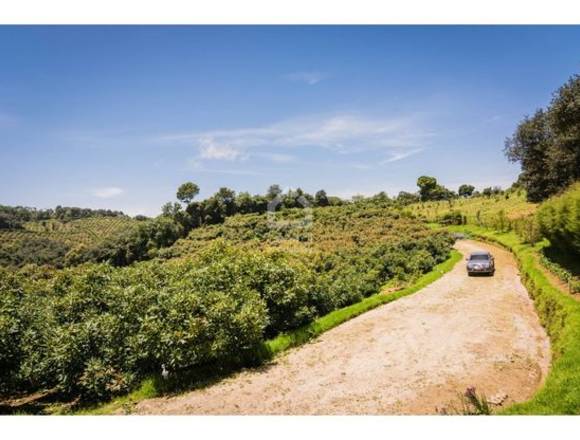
(500, 221)
(97, 329)
(34, 251)
(559, 219)
(141, 242)
(527, 229)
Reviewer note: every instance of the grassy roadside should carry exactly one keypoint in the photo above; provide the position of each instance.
(151, 388)
(560, 316)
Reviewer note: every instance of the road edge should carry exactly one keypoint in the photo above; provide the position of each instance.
(559, 315)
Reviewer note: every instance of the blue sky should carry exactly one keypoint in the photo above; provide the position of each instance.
(118, 117)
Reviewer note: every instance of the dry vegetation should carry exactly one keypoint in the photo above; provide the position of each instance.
(477, 210)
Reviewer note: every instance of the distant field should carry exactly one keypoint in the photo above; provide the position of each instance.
(52, 238)
(84, 231)
(477, 210)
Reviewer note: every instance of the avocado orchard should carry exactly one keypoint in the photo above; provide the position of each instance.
(95, 330)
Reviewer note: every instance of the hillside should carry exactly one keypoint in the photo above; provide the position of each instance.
(344, 228)
(51, 241)
(213, 299)
(480, 210)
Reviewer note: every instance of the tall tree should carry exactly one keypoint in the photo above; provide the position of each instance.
(227, 199)
(465, 190)
(547, 145)
(426, 186)
(530, 146)
(564, 119)
(187, 192)
(273, 192)
(245, 203)
(429, 189)
(320, 198)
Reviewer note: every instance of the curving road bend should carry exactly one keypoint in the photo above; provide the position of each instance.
(412, 356)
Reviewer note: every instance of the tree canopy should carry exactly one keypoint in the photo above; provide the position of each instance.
(187, 192)
(465, 190)
(429, 189)
(547, 144)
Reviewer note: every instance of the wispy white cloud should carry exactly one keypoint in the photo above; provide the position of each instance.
(400, 136)
(210, 149)
(199, 167)
(107, 192)
(309, 78)
(396, 156)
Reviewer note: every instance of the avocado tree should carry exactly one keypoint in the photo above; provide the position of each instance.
(273, 191)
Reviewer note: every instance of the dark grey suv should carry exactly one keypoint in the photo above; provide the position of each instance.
(480, 263)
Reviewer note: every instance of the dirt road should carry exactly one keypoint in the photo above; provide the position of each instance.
(411, 356)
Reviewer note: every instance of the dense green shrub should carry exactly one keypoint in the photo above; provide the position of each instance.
(559, 219)
(527, 229)
(94, 330)
(10, 329)
(141, 242)
(34, 250)
(97, 329)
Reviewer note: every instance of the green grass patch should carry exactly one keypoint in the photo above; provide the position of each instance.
(147, 390)
(154, 386)
(560, 316)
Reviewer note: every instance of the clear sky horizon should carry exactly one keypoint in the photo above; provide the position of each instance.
(118, 117)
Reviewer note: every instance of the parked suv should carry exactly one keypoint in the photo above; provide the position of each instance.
(480, 262)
